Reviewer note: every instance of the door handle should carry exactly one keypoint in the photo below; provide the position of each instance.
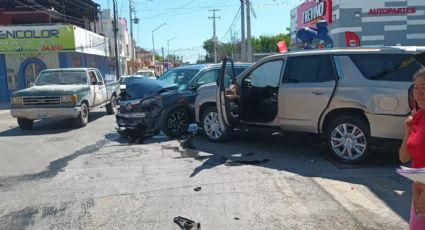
(318, 93)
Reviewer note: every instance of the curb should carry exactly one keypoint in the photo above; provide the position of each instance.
(5, 111)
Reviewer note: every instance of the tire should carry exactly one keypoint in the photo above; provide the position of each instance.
(83, 117)
(25, 124)
(111, 108)
(211, 126)
(176, 123)
(348, 139)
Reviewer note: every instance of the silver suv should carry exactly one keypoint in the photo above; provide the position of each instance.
(352, 97)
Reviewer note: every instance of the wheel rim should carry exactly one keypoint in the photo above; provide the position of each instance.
(348, 141)
(178, 122)
(84, 112)
(114, 104)
(212, 125)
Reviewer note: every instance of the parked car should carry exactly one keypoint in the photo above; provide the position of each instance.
(352, 97)
(146, 72)
(123, 80)
(176, 89)
(64, 93)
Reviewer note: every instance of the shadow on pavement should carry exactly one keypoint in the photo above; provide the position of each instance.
(306, 155)
(53, 126)
(300, 154)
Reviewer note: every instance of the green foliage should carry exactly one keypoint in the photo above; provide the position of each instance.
(262, 44)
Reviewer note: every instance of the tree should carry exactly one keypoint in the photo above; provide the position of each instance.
(262, 44)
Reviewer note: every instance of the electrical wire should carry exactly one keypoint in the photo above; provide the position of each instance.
(231, 25)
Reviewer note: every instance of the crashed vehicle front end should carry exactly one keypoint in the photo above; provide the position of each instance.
(140, 108)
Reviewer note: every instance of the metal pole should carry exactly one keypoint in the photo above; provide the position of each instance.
(214, 35)
(243, 41)
(248, 32)
(117, 63)
(130, 6)
(168, 46)
(153, 40)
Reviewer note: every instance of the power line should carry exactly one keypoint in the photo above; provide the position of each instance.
(231, 25)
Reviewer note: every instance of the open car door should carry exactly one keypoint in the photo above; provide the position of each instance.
(227, 96)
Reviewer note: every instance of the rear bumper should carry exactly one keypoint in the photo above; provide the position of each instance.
(42, 113)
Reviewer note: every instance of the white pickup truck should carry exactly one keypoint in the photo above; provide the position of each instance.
(64, 93)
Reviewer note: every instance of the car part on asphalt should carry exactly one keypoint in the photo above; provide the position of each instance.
(197, 189)
(245, 158)
(187, 224)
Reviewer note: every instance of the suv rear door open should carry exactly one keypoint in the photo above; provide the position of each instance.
(228, 116)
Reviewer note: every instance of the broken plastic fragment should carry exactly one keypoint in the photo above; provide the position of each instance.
(186, 224)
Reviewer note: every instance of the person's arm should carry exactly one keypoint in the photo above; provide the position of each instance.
(404, 153)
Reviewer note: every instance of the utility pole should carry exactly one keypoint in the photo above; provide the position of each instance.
(243, 41)
(130, 6)
(117, 63)
(214, 35)
(162, 48)
(248, 32)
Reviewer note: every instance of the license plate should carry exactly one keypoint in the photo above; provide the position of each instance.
(132, 115)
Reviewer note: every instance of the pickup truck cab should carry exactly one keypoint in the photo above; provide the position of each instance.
(64, 93)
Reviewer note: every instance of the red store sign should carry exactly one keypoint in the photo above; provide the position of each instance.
(312, 11)
(385, 11)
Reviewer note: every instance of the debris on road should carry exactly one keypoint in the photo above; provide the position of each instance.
(186, 224)
(197, 189)
(246, 158)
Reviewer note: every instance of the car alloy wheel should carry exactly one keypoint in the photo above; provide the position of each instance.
(348, 141)
(212, 125)
(178, 122)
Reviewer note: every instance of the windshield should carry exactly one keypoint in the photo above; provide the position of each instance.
(146, 73)
(181, 77)
(123, 80)
(62, 78)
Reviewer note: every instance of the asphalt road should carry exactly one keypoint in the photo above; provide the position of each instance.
(57, 176)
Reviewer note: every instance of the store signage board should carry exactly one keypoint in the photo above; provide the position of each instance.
(37, 38)
(311, 12)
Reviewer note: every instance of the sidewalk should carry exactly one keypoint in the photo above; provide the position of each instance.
(4, 108)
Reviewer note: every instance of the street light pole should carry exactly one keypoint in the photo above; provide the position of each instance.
(168, 46)
(153, 40)
(117, 64)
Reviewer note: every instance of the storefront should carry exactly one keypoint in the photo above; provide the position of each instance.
(26, 50)
(354, 23)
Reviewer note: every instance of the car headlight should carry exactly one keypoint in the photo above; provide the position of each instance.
(17, 100)
(69, 99)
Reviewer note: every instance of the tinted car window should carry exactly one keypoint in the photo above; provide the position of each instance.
(386, 67)
(326, 69)
(307, 69)
(268, 74)
(181, 77)
(208, 76)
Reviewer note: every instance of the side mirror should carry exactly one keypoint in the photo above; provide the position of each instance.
(196, 85)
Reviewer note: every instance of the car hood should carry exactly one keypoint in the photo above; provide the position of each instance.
(139, 88)
(51, 90)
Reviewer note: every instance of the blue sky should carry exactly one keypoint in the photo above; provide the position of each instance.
(187, 22)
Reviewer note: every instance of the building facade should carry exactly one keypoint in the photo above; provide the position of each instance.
(361, 23)
(26, 50)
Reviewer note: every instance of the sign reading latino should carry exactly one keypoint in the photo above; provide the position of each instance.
(310, 12)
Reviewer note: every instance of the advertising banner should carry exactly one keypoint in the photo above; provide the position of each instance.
(312, 11)
(46, 38)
